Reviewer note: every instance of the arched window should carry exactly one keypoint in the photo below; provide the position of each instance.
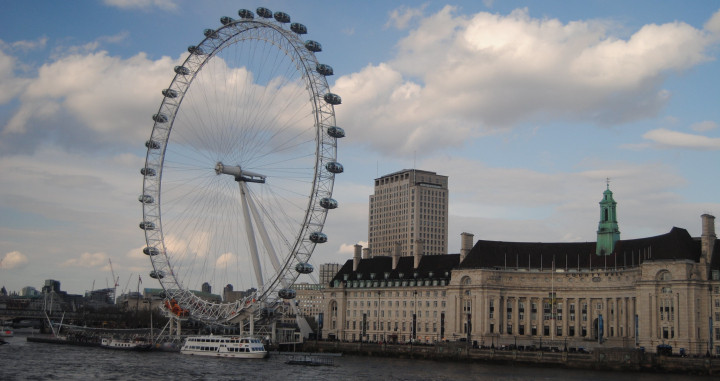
(663, 275)
(333, 308)
(465, 281)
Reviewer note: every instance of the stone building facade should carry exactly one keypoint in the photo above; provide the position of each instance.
(645, 292)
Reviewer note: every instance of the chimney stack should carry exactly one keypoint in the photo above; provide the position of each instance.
(366, 253)
(707, 240)
(419, 248)
(396, 255)
(356, 256)
(466, 244)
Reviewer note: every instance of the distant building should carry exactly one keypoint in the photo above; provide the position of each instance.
(51, 285)
(102, 296)
(29, 292)
(206, 288)
(327, 272)
(309, 298)
(409, 213)
(229, 295)
(134, 301)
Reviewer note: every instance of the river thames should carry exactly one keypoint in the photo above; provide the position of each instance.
(22, 360)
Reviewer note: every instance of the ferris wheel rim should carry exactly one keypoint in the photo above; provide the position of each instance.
(323, 179)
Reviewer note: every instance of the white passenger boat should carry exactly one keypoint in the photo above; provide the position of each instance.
(132, 345)
(224, 346)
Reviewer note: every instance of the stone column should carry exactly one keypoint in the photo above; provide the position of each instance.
(607, 318)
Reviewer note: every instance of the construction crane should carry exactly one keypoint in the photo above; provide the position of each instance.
(116, 280)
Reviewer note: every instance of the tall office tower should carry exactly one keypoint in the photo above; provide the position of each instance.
(409, 211)
(327, 272)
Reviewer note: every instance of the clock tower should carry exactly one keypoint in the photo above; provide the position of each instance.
(608, 232)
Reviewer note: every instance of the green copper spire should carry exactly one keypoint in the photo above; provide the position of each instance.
(608, 233)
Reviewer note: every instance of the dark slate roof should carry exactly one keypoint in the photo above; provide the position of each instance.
(675, 245)
(440, 265)
(715, 259)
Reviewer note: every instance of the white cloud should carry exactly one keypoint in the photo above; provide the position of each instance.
(88, 99)
(459, 77)
(27, 45)
(87, 260)
(167, 5)
(713, 25)
(225, 260)
(13, 260)
(704, 126)
(347, 250)
(10, 85)
(85, 49)
(401, 17)
(674, 139)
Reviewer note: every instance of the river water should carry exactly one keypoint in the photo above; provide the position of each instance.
(21, 360)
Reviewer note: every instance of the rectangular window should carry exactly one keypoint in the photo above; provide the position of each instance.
(571, 331)
(509, 329)
(533, 311)
(546, 311)
(521, 329)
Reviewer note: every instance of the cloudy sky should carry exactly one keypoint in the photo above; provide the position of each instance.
(527, 106)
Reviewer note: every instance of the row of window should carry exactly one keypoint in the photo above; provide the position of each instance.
(357, 313)
(362, 303)
(214, 349)
(393, 326)
(547, 329)
(419, 294)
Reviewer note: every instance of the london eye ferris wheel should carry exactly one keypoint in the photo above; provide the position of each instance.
(240, 166)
